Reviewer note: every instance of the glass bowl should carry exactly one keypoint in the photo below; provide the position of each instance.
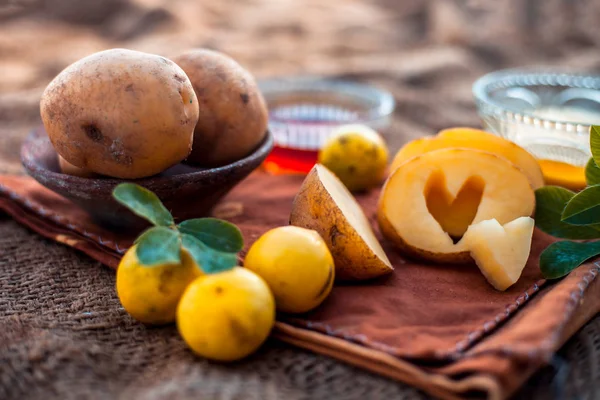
(303, 111)
(548, 112)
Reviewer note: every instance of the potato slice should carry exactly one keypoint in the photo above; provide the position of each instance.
(325, 205)
(500, 252)
(474, 139)
(407, 216)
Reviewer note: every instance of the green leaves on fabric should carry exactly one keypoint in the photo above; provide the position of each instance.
(560, 258)
(212, 243)
(216, 233)
(143, 203)
(569, 215)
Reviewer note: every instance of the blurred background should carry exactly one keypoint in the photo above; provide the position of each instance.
(427, 53)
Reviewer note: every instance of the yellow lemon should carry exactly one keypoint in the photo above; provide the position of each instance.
(296, 264)
(150, 293)
(357, 155)
(226, 316)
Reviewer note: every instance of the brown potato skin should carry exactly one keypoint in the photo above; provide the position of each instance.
(69, 169)
(313, 208)
(233, 114)
(121, 113)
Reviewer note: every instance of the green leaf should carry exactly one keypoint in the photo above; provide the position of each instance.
(550, 203)
(595, 143)
(159, 245)
(560, 258)
(143, 203)
(209, 260)
(583, 208)
(592, 173)
(216, 233)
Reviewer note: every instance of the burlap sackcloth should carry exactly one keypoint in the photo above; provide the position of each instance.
(440, 328)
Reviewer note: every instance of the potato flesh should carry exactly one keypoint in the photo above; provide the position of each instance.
(474, 139)
(507, 195)
(454, 214)
(501, 252)
(351, 211)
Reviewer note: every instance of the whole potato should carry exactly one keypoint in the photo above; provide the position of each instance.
(121, 113)
(233, 115)
(69, 169)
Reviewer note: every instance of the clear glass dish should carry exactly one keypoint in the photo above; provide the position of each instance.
(548, 112)
(303, 111)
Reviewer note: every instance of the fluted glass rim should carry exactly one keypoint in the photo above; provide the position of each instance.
(382, 102)
(526, 77)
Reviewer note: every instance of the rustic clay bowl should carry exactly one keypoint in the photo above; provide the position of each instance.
(187, 191)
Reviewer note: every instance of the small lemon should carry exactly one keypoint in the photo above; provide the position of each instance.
(357, 155)
(226, 316)
(150, 293)
(296, 264)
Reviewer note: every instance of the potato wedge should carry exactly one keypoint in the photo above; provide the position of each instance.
(325, 205)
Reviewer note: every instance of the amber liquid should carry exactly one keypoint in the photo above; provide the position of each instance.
(562, 174)
(300, 123)
(284, 160)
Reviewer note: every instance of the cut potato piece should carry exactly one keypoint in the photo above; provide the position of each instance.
(500, 252)
(457, 178)
(454, 214)
(325, 205)
(474, 139)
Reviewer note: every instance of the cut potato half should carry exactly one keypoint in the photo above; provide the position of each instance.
(325, 205)
(437, 195)
(474, 139)
(500, 252)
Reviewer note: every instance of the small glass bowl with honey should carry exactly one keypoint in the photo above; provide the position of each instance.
(548, 112)
(305, 110)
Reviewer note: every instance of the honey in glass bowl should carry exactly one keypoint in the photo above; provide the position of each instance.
(547, 112)
(303, 111)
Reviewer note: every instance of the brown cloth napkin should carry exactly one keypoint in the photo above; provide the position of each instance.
(441, 328)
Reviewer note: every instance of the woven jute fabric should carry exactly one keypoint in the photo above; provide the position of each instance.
(464, 324)
(62, 331)
(63, 334)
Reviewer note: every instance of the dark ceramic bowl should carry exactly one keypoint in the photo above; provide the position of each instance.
(187, 191)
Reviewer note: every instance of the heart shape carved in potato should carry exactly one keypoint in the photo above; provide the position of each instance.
(429, 201)
(453, 213)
